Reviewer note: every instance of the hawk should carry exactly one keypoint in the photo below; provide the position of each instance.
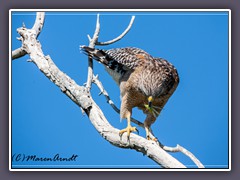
(145, 82)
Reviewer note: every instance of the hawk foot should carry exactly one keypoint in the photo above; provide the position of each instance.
(152, 138)
(128, 130)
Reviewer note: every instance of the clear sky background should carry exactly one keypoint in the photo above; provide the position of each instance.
(45, 122)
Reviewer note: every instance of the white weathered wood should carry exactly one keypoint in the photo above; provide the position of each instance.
(37, 27)
(92, 42)
(183, 150)
(17, 53)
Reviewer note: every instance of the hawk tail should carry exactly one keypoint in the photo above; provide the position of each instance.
(96, 54)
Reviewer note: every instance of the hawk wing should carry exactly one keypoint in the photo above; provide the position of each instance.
(120, 58)
(128, 57)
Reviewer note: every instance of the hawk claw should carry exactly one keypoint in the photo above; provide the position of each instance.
(137, 131)
(128, 129)
(153, 138)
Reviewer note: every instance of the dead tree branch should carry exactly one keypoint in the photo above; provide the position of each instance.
(120, 36)
(37, 27)
(179, 148)
(92, 42)
(82, 97)
(17, 53)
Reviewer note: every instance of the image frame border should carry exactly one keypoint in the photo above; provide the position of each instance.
(101, 169)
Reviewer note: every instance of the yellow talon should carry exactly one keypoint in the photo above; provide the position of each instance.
(128, 130)
(149, 135)
(153, 139)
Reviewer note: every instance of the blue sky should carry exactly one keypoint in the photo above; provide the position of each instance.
(45, 122)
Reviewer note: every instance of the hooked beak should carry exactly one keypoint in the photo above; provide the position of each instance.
(150, 99)
(151, 108)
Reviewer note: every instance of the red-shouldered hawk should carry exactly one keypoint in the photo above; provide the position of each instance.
(145, 82)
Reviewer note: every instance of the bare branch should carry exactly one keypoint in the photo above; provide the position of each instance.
(17, 53)
(37, 27)
(89, 38)
(92, 45)
(119, 37)
(90, 73)
(179, 148)
(96, 34)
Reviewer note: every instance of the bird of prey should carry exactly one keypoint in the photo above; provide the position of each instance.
(145, 82)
